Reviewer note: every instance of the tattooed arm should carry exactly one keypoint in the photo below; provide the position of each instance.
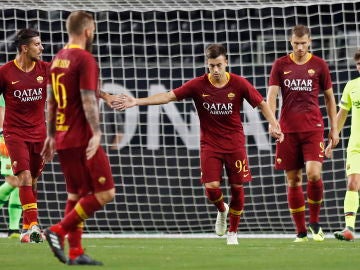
(48, 150)
(91, 110)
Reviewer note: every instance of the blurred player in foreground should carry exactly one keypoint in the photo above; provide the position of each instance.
(350, 100)
(23, 85)
(74, 130)
(218, 97)
(9, 191)
(302, 76)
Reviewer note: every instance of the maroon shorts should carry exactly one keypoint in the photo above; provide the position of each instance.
(297, 148)
(236, 166)
(84, 176)
(25, 156)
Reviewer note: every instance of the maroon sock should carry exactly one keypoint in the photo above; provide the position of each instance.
(35, 192)
(75, 252)
(70, 204)
(29, 205)
(236, 207)
(215, 196)
(74, 236)
(296, 203)
(315, 190)
(84, 209)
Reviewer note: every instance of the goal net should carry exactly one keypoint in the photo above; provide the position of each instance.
(147, 47)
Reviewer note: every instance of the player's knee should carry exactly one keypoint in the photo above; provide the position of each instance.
(213, 184)
(25, 178)
(313, 176)
(294, 182)
(105, 197)
(353, 185)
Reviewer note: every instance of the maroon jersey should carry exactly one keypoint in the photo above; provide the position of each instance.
(300, 88)
(219, 110)
(25, 97)
(72, 69)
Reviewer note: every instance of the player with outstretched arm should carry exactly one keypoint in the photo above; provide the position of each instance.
(218, 97)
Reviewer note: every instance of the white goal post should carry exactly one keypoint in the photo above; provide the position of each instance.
(149, 46)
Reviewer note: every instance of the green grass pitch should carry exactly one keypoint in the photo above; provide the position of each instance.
(190, 254)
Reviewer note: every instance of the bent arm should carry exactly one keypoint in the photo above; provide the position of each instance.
(51, 112)
(48, 150)
(268, 113)
(91, 110)
(331, 110)
(274, 127)
(271, 97)
(341, 118)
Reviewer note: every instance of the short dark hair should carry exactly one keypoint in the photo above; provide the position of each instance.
(357, 55)
(215, 50)
(300, 30)
(24, 36)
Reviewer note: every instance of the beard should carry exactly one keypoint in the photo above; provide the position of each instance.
(89, 45)
(34, 58)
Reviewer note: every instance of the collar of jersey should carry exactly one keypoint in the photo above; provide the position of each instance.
(227, 78)
(18, 66)
(72, 46)
(307, 60)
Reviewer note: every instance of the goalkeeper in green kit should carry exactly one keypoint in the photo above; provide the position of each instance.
(9, 191)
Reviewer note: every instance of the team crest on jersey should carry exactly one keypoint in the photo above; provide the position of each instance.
(278, 160)
(102, 180)
(40, 79)
(311, 72)
(356, 104)
(231, 96)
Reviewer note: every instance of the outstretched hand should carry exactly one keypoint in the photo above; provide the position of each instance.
(112, 99)
(123, 102)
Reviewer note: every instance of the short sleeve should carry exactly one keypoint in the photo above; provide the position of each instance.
(345, 101)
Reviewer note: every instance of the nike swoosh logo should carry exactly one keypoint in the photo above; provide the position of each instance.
(287, 72)
(14, 82)
(205, 95)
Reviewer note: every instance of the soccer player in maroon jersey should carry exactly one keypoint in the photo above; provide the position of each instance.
(23, 84)
(218, 97)
(74, 130)
(302, 77)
